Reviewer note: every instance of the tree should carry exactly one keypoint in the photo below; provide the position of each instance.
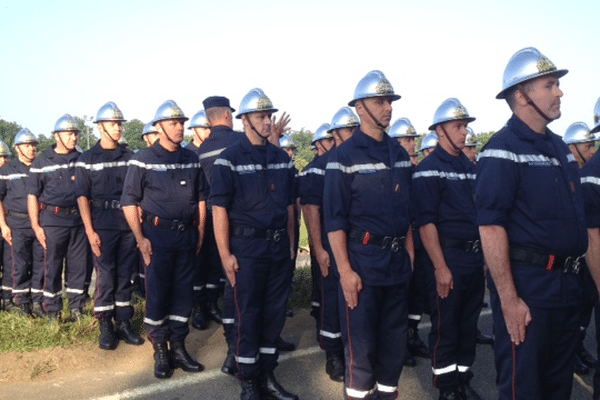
(132, 132)
(304, 154)
(8, 131)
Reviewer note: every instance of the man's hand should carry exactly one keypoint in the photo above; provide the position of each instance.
(146, 249)
(231, 267)
(95, 243)
(444, 281)
(41, 236)
(351, 285)
(278, 128)
(7, 234)
(324, 261)
(517, 317)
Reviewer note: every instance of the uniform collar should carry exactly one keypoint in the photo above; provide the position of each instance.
(445, 156)
(97, 149)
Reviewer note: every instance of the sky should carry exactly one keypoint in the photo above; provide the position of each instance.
(73, 56)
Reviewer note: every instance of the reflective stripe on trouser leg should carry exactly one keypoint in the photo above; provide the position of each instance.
(169, 284)
(374, 336)
(330, 332)
(260, 300)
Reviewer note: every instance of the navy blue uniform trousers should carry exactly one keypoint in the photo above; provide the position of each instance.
(375, 330)
(113, 275)
(260, 300)
(27, 256)
(540, 368)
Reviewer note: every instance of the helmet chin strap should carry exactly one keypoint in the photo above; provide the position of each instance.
(379, 124)
(456, 148)
(532, 104)
(255, 130)
(61, 141)
(580, 155)
(108, 134)
(22, 154)
(167, 135)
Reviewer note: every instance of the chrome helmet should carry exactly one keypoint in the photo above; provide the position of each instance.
(429, 141)
(450, 110)
(25, 136)
(322, 132)
(149, 128)
(471, 139)
(374, 84)
(524, 65)
(199, 120)
(169, 110)
(255, 101)
(4, 150)
(344, 118)
(402, 128)
(109, 112)
(597, 117)
(65, 123)
(286, 142)
(123, 141)
(578, 132)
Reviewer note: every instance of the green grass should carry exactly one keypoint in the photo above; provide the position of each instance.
(26, 334)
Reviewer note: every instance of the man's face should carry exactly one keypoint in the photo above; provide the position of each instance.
(3, 160)
(113, 128)
(427, 152)
(289, 151)
(456, 131)
(28, 150)
(380, 107)
(345, 133)
(151, 138)
(471, 153)
(68, 139)
(202, 133)
(173, 129)
(325, 145)
(583, 151)
(409, 145)
(546, 94)
(261, 122)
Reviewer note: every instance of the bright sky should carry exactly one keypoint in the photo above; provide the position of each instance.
(73, 56)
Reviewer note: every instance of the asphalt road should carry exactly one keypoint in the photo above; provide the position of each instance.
(301, 372)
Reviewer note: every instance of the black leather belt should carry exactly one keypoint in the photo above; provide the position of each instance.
(468, 246)
(550, 262)
(60, 210)
(268, 234)
(390, 243)
(172, 224)
(106, 204)
(18, 214)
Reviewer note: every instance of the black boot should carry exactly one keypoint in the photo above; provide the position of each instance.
(38, 311)
(249, 389)
(580, 367)
(282, 345)
(24, 310)
(484, 339)
(181, 359)
(335, 366)
(271, 389)
(199, 319)
(585, 356)
(9, 305)
(450, 394)
(409, 360)
(124, 332)
(415, 345)
(467, 392)
(229, 366)
(53, 316)
(76, 315)
(214, 312)
(107, 339)
(162, 368)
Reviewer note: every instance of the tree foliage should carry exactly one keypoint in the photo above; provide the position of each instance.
(132, 131)
(8, 131)
(304, 154)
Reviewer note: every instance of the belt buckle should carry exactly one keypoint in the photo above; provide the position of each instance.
(391, 243)
(115, 205)
(177, 225)
(573, 264)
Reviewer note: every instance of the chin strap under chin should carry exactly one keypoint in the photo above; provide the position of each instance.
(379, 124)
(167, 135)
(532, 104)
(456, 148)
